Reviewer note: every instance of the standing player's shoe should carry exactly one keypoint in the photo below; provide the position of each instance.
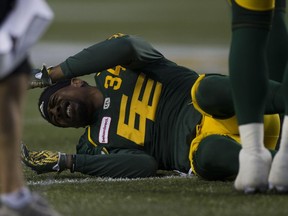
(253, 172)
(37, 207)
(278, 177)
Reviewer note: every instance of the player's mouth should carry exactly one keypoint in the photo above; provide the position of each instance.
(74, 114)
(72, 111)
(68, 110)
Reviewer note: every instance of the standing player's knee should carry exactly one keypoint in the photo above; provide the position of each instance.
(252, 14)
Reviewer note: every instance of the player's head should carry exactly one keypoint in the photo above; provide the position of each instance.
(64, 104)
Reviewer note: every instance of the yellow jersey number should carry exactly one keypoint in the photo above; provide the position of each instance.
(137, 107)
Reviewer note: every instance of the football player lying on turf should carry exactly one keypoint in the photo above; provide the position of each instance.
(145, 113)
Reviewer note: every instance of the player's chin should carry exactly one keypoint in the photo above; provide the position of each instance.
(81, 120)
(73, 121)
(79, 117)
(74, 124)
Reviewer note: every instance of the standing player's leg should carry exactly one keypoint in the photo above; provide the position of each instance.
(248, 70)
(278, 177)
(10, 171)
(277, 51)
(16, 199)
(15, 196)
(11, 101)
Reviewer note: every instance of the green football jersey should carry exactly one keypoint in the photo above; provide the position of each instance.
(147, 103)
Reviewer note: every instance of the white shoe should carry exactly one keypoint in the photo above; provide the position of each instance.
(278, 177)
(253, 172)
(37, 207)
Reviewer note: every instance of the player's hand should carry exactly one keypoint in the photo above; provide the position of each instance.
(43, 161)
(40, 78)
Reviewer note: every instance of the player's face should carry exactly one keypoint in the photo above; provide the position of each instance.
(69, 107)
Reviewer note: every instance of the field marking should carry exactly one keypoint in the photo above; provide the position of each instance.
(132, 11)
(96, 179)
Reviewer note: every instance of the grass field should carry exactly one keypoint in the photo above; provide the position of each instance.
(184, 21)
(197, 23)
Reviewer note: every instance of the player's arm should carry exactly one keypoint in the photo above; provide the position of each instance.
(125, 50)
(124, 163)
(121, 165)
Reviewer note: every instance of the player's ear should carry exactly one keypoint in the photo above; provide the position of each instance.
(76, 82)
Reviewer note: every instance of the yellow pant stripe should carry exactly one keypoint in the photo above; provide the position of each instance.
(257, 5)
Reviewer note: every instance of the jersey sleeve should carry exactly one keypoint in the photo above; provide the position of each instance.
(125, 50)
(123, 164)
(96, 160)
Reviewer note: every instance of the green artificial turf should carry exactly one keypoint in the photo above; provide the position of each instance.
(159, 21)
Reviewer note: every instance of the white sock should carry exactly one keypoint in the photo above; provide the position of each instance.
(284, 135)
(252, 136)
(18, 198)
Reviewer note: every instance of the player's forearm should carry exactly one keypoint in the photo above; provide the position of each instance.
(116, 165)
(98, 57)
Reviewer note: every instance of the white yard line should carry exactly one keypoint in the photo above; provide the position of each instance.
(91, 179)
